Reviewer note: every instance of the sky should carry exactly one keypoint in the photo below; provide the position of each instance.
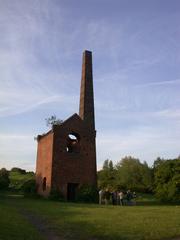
(136, 59)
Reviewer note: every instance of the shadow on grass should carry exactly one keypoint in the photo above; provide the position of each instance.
(93, 222)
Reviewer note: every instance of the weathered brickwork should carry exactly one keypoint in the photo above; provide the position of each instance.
(66, 156)
(44, 162)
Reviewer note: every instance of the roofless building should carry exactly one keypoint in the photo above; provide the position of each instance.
(66, 155)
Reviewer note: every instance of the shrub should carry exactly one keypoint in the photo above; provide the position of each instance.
(56, 195)
(87, 193)
(4, 179)
(29, 187)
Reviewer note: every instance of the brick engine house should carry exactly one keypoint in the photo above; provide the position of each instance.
(66, 155)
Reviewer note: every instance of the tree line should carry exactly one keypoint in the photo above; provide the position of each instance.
(17, 179)
(162, 179)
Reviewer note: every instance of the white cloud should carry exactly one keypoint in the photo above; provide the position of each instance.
(161, 83)
(145, 143)
(22, 103)
(17, 150)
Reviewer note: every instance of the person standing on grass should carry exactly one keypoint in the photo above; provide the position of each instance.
(107, 195)
(134, 198)
(101, 194)
(114, 197)
(118, 199)
(129, 197)
(121, 198)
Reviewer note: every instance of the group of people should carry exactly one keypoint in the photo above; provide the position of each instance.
(117, 197)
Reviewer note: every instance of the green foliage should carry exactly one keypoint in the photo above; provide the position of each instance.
(4, 179)
(132, 174)
(53, 121)
(87, 193)
(29, 187)
(167, 179)
(107, 176)
(56, 195)
(18, 177)
(129, 173)
(18, 170)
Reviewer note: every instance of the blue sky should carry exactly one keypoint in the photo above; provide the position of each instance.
(136, 59)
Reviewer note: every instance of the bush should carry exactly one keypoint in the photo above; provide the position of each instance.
(56, 195)
(87, 193)
(4, 179)
(29, 187)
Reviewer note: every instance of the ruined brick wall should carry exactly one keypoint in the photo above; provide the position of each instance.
(44, 164)
(76, 167)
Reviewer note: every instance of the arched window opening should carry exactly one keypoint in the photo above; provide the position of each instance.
(72, 137)
(44, 184)
(73, 143)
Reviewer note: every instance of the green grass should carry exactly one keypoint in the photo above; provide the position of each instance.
(13, 225)
(90, 221)
(77, 221)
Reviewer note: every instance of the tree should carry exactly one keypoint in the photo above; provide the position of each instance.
(167, 180)
(132, 174)
(19, 170)
(53, 120)
(129, 173)
(4, 178)
(147, 177)
(106, 176)
(158, 162)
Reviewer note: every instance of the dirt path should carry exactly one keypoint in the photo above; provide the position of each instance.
(46, 229)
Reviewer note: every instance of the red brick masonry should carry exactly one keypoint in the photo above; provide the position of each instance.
(65, 162)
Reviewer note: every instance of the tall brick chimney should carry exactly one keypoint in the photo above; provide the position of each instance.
(66, 155)
(86, 106)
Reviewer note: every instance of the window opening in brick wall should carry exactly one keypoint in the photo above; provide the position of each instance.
(73, 143)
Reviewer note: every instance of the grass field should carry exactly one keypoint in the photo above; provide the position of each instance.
(12, 224)
(88, 221)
